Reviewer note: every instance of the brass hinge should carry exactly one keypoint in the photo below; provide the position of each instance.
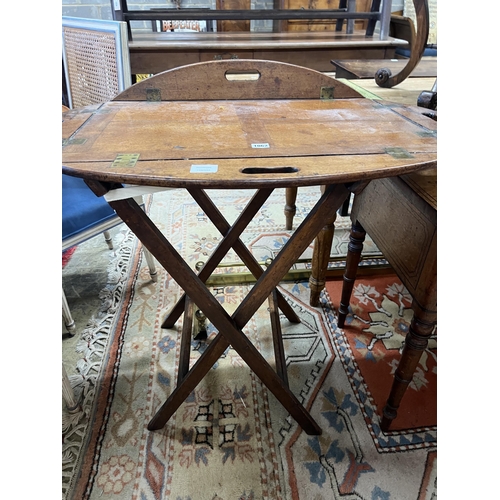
(326, 93)
(71, 142)
(125, 160)
(153, 95)
(399, 153)
(427, 133)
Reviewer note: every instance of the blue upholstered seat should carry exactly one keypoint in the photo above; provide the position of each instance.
(84, 215)
(81, 208)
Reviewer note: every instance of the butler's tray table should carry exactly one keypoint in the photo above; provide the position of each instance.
(239, 140)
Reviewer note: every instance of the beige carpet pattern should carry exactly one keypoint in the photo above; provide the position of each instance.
(231, 439)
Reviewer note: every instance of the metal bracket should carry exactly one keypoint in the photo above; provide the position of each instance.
(427, 133)
(125, 160)
(399, 153)
(153, 95)
(326, 93)
(71, 142)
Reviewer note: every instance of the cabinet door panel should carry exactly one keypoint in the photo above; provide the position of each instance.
(233, 25)
(320, 24)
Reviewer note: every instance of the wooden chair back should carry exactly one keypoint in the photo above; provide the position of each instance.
(238, 79)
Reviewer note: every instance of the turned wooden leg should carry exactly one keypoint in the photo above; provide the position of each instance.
(320, 258)
(290, 207)
(421, 328)
(356, 239)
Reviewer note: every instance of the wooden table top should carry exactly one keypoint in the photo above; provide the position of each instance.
(255, 40)
(246, 143)
(366, 68)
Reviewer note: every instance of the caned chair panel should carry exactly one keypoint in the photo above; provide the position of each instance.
(96, 60)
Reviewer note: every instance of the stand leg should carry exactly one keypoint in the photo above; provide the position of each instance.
(290, 207)
(185, 351)
(421, 328)
(279, 350)
(230, 327)
(320, 258)
(231, 238)
(356, 239)
(245, 255)
(189, 382)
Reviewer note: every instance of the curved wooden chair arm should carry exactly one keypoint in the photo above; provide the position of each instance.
(417, 40)
(237, 79)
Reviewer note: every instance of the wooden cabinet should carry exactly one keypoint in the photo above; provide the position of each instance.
(319, 24)
(233, 25)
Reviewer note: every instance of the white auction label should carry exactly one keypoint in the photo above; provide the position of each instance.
(260, 145)
(204, 169)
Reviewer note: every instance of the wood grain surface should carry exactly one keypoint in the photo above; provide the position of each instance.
(255, 143)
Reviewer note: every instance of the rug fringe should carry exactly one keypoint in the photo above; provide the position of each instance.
(93, 344)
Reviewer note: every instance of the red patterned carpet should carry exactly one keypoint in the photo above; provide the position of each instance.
(375, 329)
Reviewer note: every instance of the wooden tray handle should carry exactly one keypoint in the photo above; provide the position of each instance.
(210, 81)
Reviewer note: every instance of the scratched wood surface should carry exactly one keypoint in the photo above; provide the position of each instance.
(291, 126)
(74, 119)
(299, 142)
(237, 79)
(422, 182)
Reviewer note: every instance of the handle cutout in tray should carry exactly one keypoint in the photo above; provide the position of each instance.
(269, 170)
(251, 75)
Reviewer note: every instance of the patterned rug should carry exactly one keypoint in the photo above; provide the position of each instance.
(372, 341)
(232, 439)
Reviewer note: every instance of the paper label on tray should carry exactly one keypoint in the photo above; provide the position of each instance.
(204, 169)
